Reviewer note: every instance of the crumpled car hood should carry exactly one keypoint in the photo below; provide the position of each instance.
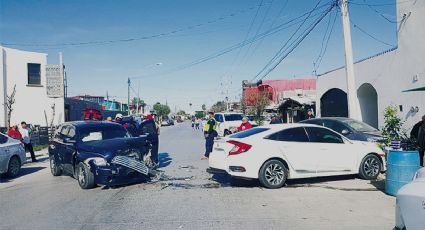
(109, 148)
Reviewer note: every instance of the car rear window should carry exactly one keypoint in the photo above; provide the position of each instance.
(233, 117)
(248, 132)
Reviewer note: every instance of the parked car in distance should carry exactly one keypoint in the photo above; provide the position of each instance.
(12, 156)
(275, 153)
(252, 118)
(410, 204)
(227, 122)
(97, 152)
(167, 122)
(350, 128)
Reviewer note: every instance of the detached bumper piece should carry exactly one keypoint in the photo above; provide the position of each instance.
(131, 163)
(216, 171)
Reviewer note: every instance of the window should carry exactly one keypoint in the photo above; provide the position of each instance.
(322, 135)
(292, 135)
(233, 117)
(360, 126)
(3, 139)
(34, 74)
(335, 126)
(218, 117)
(248, 132)
(99, 133)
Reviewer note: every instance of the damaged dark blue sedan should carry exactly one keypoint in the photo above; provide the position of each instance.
(102, 153)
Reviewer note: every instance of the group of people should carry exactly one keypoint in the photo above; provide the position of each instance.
(196, 123)
(23, 134)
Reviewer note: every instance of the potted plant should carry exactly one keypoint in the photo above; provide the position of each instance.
(403, 157)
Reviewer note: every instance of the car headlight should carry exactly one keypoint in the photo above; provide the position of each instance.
(99, 161)
(370, 139)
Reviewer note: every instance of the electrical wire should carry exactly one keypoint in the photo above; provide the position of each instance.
(160, 35)
(379, 4)
(280, 54)
(370, 35)
(324, 45)
(269, 32)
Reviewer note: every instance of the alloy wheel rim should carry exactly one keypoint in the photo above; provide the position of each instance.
(52, 164)
(81, 176)
(371, 167)
(274, 174)
(14, 167)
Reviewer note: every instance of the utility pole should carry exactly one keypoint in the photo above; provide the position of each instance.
(349, 65)
(128, 96)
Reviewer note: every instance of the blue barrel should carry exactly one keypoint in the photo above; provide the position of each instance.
(401, 167)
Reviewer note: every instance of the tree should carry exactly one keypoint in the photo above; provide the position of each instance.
(10, 100)
(139, 103)
(181, 113)
(162, 110)
(219, 106)
(199, 114)
(392, 130)
(260, 100)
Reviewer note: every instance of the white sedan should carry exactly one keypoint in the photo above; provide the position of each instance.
(410, 208)
(275, 153)
(12, 156)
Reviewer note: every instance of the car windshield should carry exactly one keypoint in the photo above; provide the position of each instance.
(233, 117)
(360, 126)
(101, 133)
(248, 132)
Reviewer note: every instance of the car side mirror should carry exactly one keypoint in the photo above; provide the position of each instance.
(68, 140)
(345, 132)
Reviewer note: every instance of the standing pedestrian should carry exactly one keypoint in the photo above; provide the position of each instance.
(210, 132)
(310, 114)
(150, 127)
(415, 130)
(14, 133)
(26, 139)
(197, 122)
(421, 141)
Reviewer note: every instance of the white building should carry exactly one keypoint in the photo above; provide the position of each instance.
(27, 70)
(381, 79)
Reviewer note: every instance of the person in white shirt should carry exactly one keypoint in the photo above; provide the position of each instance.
(26, 139)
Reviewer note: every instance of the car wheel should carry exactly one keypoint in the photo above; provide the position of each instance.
(13, 167)
(227, 132)
(84, 176)
(54, 167)
(273, 174)
(370, 167)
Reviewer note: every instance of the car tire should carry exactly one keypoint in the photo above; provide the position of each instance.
(54, 167)
(273, 174)
(85, 177)
(370, 167)
(13, 167)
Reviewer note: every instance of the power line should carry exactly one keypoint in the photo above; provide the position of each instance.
(170, 33)
(379, 4)
(280, 55)
(324, 45)
(370, 35)
(269, 32)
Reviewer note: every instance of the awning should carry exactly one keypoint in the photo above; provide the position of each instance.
(415, 89)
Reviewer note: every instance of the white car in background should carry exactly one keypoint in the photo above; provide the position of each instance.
(12, 156)
(227, 122)
(275, 153)
(410, 204)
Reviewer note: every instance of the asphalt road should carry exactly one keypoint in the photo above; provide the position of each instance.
(187, 198)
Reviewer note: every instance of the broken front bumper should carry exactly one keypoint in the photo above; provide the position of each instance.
(121, 170)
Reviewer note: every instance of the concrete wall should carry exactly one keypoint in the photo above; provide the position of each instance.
(394, 71)
(31, 101)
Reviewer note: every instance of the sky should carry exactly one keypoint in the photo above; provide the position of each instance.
(160, 44)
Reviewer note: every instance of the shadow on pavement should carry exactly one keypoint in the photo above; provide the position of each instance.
(164, 160)
(23, 172)
(379, 184)
(228, 181)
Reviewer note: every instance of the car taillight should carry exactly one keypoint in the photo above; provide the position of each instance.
(238, 148)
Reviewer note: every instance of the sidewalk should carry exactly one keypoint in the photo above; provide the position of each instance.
(42, 153)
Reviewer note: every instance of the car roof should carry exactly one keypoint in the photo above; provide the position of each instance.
(273, 127)
(91, 123)
(227, 113)
(332, 118)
